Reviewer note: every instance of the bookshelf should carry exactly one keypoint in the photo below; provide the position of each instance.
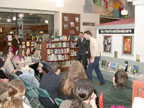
(62, 51)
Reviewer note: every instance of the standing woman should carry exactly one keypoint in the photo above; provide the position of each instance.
(15, 43)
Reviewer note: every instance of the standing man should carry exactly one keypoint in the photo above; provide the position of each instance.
(83, 45)
(95, 57)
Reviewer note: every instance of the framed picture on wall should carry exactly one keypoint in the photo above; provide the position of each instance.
(65, 18)
(107, 43)
(127, 44)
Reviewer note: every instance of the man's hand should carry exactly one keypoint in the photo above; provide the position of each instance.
(92, 60)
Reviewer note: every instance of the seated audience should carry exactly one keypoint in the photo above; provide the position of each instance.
(20, 57)
(50, 82)
(28, 58)
(84, 96)
(43, 68)
(35, 55)
(8, 64)
(118, 95)
(76, 72)
(10, 98)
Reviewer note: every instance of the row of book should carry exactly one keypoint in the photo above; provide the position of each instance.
(115, 66)
(65, 64)
(57, 45)
(73, 53)
(57, 51)
(54, 57)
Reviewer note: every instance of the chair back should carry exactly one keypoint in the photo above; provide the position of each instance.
(58, 101)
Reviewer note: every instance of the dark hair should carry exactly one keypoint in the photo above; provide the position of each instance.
(45, 66)
(1, 63)
(33, 51)
(82, 91)
(81, 33)
(88, 32)
(121, 78)
(54, 66)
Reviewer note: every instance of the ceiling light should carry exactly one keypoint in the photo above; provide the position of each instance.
(59, 3)
(124, 12)
(14, 18)
(46, 21)
(21, 15)
(8, 20)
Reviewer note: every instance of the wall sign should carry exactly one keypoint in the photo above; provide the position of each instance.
(116, 31)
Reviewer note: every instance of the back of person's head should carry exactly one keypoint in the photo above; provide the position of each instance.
(120, 78)
(88, 33)
(1, 62)
(45, 66)
(76, 71)
(15, 102)
(82, 91)
(54, 66)
(19, 84)
(3, 91)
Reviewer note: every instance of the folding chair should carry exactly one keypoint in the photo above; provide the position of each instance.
(32, 93)
(58, 101)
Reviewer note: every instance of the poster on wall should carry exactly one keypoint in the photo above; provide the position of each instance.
(127, 45)
(107, 43)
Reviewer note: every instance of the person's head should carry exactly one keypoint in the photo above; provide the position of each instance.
(16, 36)
(87, 35)
(23, 52)
(83, 91)
(3, 91)
(7, 90)
(9, 54)
(43, 67)
(81, 35)
(27, 52)
(76, 71)
(19, 84)
(15, 102)
(120, 78)
(55, 67)
(34, 51)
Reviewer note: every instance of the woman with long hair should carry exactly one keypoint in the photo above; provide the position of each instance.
(84, 96)
(76, 72)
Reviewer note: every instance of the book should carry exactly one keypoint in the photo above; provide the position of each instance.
(114, 66)
(135, 69)
(103, 64)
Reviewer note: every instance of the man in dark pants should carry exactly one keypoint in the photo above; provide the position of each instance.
(95, 57)
(83, 45)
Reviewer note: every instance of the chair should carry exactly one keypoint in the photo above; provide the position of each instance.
(58, 101)
(44, 93)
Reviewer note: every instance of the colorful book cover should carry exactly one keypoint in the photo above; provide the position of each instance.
(103, 64)
(135, 69)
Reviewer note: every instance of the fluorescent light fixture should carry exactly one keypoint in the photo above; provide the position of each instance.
(14, 18)
(21, 15)
(59, 3)
(8, 20)
(46, 21)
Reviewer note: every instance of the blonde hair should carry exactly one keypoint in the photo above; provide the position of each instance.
(19, 84)
(15, 102)
(76, 72)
